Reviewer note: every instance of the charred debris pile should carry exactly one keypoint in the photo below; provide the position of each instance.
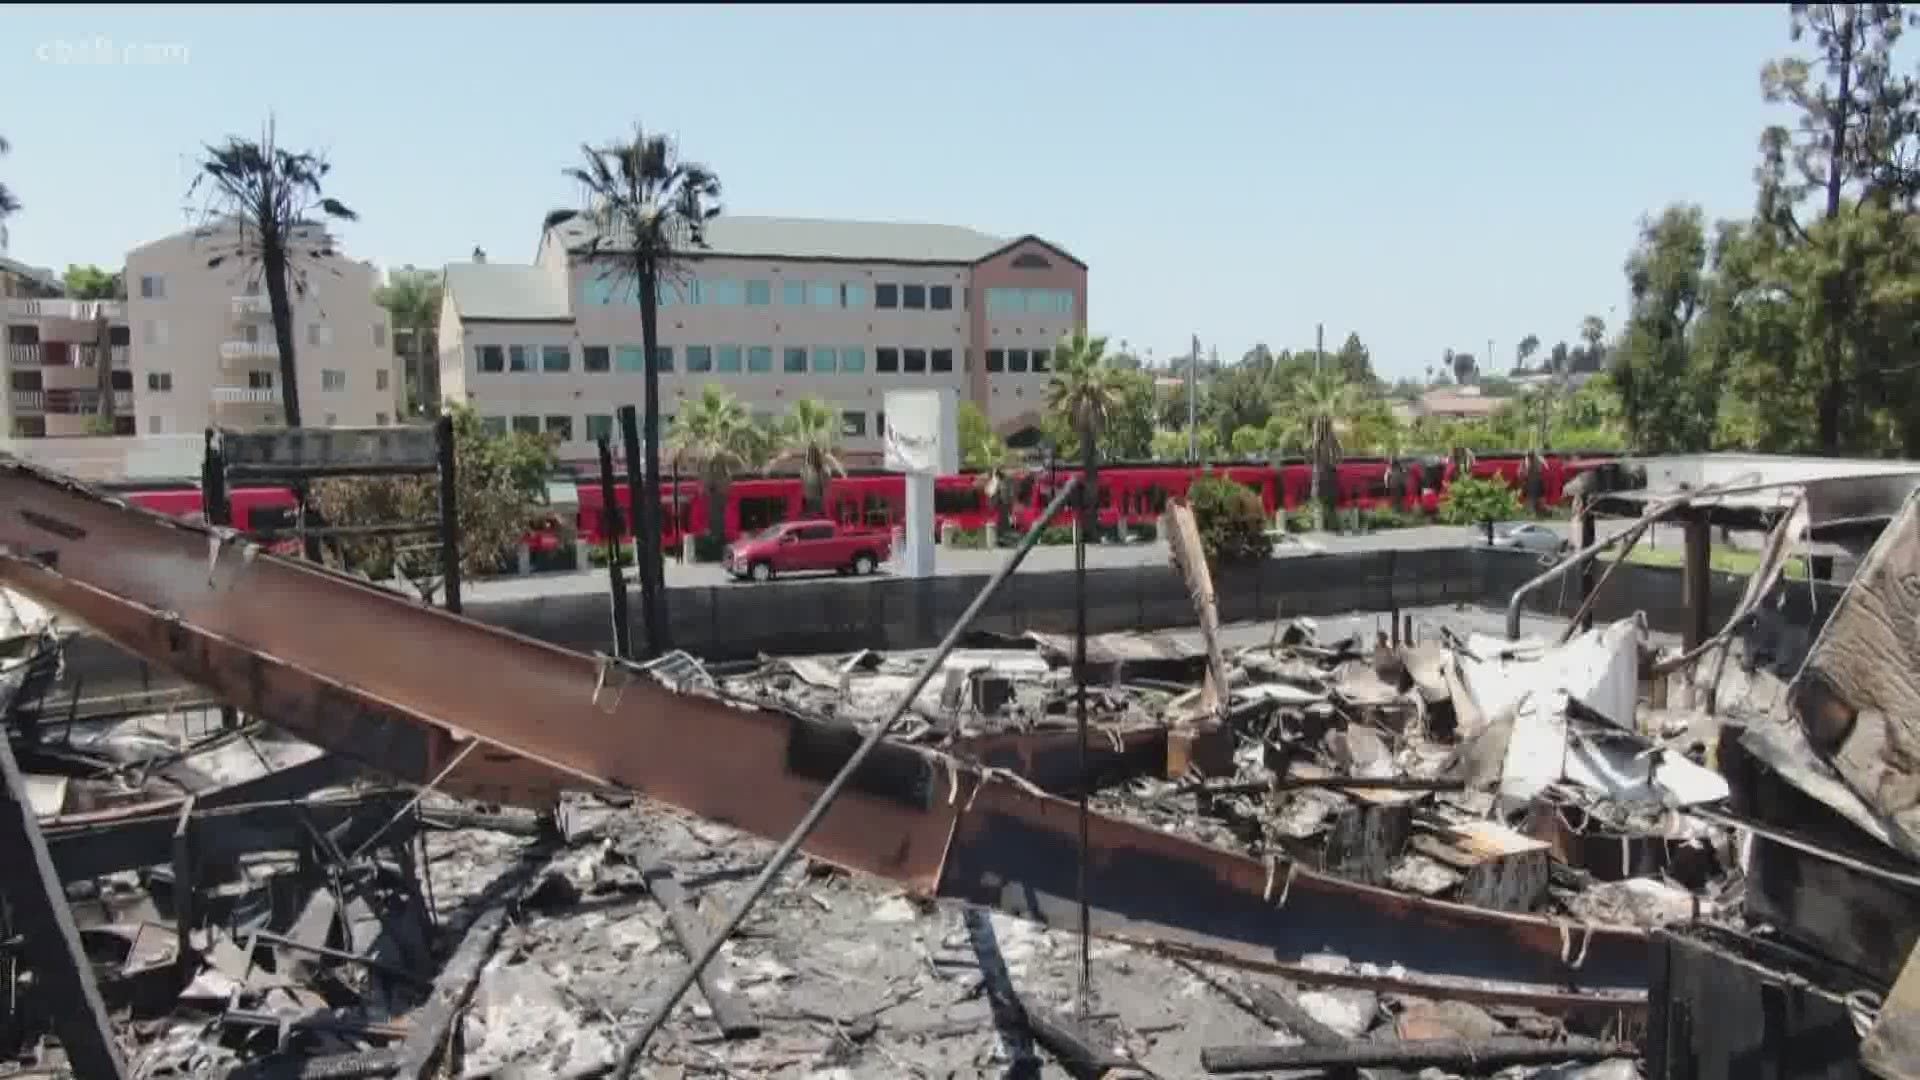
(249, 906)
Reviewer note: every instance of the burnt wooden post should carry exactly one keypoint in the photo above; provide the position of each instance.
(616, 574)
(50, 939)
(186, 962)
(1589, 535)
(1698, 576)
(449, 513)
(216, 509)
(646, 537)
(213, 483)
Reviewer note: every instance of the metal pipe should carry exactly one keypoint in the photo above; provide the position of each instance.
(1579, 558)
(832, 791)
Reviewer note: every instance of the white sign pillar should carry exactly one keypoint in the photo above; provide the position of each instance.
(922, 439)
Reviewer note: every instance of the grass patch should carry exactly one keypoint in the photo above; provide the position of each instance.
(1724, 560)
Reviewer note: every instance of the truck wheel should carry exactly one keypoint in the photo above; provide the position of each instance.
(862, 564)
(762, 571)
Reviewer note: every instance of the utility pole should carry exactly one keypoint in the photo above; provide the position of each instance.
(1193, 413)
(1319, 345)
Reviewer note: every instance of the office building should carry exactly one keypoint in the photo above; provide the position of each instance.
(774, 309)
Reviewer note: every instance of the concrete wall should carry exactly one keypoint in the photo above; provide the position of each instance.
(735, 621)
(731, 621)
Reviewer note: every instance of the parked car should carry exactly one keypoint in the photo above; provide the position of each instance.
(807, 545)
(1529, 536)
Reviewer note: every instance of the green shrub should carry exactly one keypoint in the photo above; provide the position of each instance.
(597, 554)
(1478, 501)
(1056, 535)
(1302, 520)
(1232, 522)
(1388, 517)
(968, 539)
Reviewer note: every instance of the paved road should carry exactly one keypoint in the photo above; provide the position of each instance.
(951, 561)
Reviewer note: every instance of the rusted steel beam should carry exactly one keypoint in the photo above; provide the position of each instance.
(384, 681)
(1050, 760)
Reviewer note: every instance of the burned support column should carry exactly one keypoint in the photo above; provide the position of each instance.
(47, 931)
(213, 504)
(616, 573)
(449, 513)
(1588, 535)
(1699, 575)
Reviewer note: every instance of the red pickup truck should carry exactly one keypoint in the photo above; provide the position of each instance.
(807, 545)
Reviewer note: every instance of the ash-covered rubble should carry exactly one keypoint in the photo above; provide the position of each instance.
(357, 930)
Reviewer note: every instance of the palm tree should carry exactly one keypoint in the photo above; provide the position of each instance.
(646, 210)
(810, 436)
(1324, 407)
(264, 210)
(412, 298)
(712, 436)
(1085, 392)
(993, 464)
(8, 204)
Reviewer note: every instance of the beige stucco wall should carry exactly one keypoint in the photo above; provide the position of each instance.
(199, 316)
(1009, 398)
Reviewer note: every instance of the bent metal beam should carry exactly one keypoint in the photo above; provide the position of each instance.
(396, 685)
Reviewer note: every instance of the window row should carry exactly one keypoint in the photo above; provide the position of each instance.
(1019, 360)
(853, 425)
(331, 379)
(1029, 302)
(728, 359)
(722, 292)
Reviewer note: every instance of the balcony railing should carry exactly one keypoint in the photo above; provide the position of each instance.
(29, 399)
(89, 356)
(23, 356)
(249, 350)
(84, 310)
(245, 395)
(251, 307)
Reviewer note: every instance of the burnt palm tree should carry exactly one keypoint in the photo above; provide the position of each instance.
(265, 210)
(646, 210)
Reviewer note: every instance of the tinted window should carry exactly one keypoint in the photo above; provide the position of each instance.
(916, 361)
(940, 297)
(886, 359)
(943, 359)
(817, 532)
(913, 296)
(886, 296)
(996, 360)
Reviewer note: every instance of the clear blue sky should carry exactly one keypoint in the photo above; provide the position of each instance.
(1426, 176)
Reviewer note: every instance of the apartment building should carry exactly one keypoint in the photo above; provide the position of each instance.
(775, 309)
(55, 349)
(203, 348)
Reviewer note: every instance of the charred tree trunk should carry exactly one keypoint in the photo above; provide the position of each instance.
(648, 519)
(273, 263)
(103, 356)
